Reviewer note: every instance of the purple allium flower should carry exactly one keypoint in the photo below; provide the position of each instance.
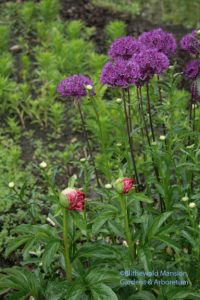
(192, 69)
(195, 92)
(124, 47)
(150, 62)
(190, 43)
(160, 40)
(120, 73)
(75, 86)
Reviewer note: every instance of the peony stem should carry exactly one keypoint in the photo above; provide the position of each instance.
(129, 138)
(88, 143)
(68, 267)
(126, 227)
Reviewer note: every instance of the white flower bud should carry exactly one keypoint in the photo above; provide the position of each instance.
(89, 87)
(125, 244)
(153, 143)
(119, 100)
(192, 205)
(43, 165)
(11, 185)
(83, 159)
(108, 186)
(190, 146)
(185, 198)
(119, 144)
(162, 138)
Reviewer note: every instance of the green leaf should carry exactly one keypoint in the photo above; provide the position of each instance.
(100, 220)
(167, 240)
(56, 290)
(182, 293)
(79, 221)
(143, 295)
(50, 251)
(103, 292)
(141, 197)
(16, 243)
(146, 258)
(102, 275)
(157, 223)
(102, 252)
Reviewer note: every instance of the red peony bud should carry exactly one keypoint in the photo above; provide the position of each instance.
(124, 185)
(76, 199)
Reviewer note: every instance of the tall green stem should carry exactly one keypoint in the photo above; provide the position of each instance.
(126, 227)
(88, 142)
(130, 138)
(149, 112)
(68, 267)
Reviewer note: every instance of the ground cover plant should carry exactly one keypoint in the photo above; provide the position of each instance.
(100, 160)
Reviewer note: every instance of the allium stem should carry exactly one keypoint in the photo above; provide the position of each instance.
(126, 227)
(139, 95)
(88, 142)
(161, 102)
(68, 266)
(149, 111)
(129, 110)
(130, 138)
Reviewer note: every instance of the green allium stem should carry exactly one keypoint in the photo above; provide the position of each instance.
(149, 112)
(88, 142)
(68, 267)
(130, 138)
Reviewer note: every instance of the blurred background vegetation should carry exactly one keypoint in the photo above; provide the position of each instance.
(176, 12)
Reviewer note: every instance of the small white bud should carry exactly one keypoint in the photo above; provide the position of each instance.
(89, 87)
(199, 226)
(190, 146)
(108, 186)
(192, 205)
(153, 143)
(125, 244)
(74, 140)
(185, 198)
(119, 100)
(83, 159)
(185, 250)
(162, 138)
(11, 185)
(43, 165)
(119, 144)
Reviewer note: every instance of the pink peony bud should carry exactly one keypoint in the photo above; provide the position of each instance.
(124, 185)
(76, 199)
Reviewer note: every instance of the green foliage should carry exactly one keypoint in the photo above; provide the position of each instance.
(115, 29)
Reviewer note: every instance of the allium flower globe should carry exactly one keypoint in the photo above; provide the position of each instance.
(192, 69)
(160, 40)
(190, 43)
(150, 62)
(124, 48)
(73, 199)
(120, 73)
(75, 86)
